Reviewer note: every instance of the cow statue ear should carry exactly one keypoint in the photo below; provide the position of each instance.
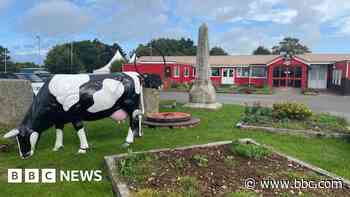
(11, 134)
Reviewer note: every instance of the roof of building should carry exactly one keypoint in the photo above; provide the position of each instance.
(320, 58)
(214, 60)
(246, 59)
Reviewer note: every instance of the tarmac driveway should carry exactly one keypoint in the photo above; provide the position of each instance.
(334, 104)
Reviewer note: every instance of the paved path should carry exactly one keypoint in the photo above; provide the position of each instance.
(334, 104)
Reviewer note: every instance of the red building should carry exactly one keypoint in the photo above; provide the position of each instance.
(315, 71)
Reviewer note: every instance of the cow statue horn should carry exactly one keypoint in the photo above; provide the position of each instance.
(12, 133)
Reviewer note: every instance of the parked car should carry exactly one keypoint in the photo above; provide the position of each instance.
(36, 81)
(44, 75)
(8, 76)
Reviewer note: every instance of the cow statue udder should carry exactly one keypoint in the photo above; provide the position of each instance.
(82, 97)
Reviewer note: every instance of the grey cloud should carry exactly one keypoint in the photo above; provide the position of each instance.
(55, 18)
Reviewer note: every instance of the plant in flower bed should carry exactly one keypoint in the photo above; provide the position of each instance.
(223, 169)
(293, 115)
(243, 89)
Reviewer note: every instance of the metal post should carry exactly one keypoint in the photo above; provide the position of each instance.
(39, 48)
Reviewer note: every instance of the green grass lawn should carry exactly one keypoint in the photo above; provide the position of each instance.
(105, 138)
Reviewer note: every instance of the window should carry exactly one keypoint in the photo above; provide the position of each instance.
(215, 72)
(258, 72)
(176, 71)
(336, 77)
(186, 72)
(243, 72)
(255, 72)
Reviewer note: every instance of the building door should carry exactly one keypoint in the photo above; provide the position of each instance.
(227, 76)
(287, 76)
(317, 77)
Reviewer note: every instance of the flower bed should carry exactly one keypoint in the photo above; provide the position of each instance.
(293, 116)
(213, 170)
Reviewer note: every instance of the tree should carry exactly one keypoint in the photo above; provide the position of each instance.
(291, 46)
(10, 66)
(58, 60)
(117, 66)
(261, 51)
(88, 56)
(169, 47)
(217, 51)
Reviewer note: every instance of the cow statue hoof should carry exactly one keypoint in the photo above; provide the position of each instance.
(125, 145)
(55, 149)
(82, 151)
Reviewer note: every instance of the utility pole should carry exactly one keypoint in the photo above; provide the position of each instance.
(39, 48)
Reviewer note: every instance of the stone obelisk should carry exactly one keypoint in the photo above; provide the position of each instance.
(202, 93)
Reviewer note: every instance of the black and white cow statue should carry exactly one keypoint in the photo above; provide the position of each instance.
(82, 97)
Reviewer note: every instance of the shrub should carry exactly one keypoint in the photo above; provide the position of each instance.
(189, 186)
(249, 150)
(134, 165)
(201, 160)
(326, 121)
(291, 110)
(257, 113)
(117, 66)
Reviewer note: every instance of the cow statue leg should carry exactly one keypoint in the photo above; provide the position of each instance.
(134, 127)
(79, 127)
(59, 137)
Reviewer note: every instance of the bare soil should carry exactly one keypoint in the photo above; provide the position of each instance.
(224, 173)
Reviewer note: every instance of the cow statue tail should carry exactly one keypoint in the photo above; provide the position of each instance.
(142, 111)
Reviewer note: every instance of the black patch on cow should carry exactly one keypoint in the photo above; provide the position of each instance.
(152, 81)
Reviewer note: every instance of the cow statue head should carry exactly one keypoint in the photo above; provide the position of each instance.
(152, 81)
(26, 140)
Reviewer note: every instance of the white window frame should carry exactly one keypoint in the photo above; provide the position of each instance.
(176, 71)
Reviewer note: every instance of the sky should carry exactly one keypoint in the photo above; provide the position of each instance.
(238, 26)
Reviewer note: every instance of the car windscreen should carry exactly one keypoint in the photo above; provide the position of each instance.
(30, 77)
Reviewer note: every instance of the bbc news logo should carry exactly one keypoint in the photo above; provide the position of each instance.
(52, 175)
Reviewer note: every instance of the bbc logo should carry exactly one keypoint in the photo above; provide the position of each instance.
(31, 175)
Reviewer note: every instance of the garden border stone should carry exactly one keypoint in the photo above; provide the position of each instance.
(120, 188)
(307, 133)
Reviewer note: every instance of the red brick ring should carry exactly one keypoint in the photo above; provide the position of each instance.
(168, 117)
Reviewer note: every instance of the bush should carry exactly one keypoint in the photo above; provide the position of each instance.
(257, 114)
(326, 121)
(291, 110)
(249, 150)
(190, 186)
(117, 66)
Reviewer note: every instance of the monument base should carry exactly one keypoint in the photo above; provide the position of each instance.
(213, 106)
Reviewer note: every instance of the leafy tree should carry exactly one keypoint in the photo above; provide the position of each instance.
(290, 45)
(169, 47)
(10, 66)
(58, 60)
(261, 51)
(117, 66)
(217, 51)
(88, 55)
